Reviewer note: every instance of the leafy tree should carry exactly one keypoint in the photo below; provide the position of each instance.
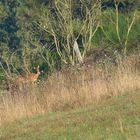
(8, 25)
(123, 5)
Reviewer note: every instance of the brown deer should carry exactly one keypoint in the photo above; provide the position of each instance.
(29, 77)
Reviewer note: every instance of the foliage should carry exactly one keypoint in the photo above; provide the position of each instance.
(8, 25)
(42, 32)
(119, 35)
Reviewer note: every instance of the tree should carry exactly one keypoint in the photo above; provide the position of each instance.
(8, 25)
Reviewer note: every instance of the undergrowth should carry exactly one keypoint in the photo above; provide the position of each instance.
(70, 88)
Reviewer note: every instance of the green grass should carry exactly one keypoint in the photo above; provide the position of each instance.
(116, 118)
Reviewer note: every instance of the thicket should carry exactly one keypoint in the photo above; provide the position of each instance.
(43, 32)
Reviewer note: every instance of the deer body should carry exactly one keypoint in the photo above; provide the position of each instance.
(29, 77)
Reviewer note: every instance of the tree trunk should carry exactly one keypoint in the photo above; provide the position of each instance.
(77, 52)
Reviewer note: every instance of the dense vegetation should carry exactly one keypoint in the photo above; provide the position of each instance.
(42, 32)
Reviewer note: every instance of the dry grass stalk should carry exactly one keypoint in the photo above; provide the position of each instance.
(71, 89)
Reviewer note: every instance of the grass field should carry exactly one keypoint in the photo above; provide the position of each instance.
(115, 118)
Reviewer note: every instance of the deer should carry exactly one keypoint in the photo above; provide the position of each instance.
(29, 77)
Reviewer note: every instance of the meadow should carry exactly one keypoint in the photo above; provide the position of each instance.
(116, 118)
(70, 88)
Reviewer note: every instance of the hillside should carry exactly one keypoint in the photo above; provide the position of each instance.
(116, 118)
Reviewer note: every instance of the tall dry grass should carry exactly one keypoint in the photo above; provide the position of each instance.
(71, 89)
